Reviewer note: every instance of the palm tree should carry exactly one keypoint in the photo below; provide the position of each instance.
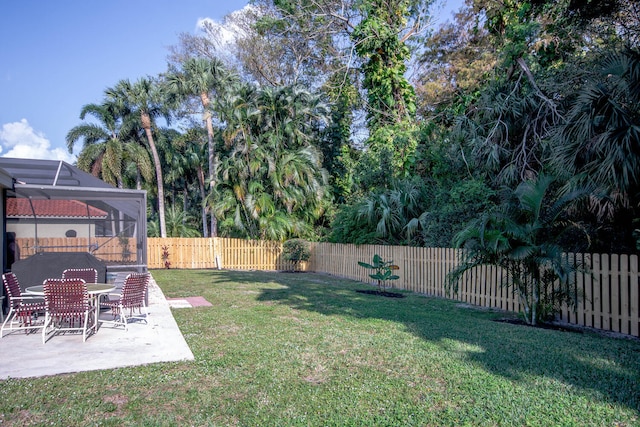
(142, 99)
(299, 185)
(110, 146)
(271, 184)
(524, 239)
(139, 166)
(199, 77)
(393, 212)
(238, 110)
(292, 114)
(600, 140)
(102, 151)
(244, 197)
(187, 160)
(386, 212)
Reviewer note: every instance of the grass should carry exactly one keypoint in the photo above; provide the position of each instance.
(298, 349)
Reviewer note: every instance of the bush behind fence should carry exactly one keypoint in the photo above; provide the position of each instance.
(609, 297)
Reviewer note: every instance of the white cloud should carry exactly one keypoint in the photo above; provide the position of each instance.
(222, 35)
(19, 139)
(233, 26)
(226, 33)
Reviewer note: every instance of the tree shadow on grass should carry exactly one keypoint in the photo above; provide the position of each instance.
(588, 361)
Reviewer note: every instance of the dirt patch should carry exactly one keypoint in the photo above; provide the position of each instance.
(114, 404)
(188, 302)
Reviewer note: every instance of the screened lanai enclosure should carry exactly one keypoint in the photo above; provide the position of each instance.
(57, 216)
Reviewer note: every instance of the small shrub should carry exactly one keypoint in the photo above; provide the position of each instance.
(123, 241)
(383, 270)
(165, 257)
(296, 251)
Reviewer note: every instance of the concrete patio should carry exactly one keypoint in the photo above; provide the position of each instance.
(23, 355)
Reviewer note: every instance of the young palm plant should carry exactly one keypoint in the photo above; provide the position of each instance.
(180, 224)
(524, 238)
(384, 270)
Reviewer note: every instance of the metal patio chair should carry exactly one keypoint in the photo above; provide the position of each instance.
(89, 275)
(131, 303)
(24, 310)
(67, 307)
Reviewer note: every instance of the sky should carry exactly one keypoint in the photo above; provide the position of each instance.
(57, 56)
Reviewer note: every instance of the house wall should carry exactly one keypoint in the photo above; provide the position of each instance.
(27, 229)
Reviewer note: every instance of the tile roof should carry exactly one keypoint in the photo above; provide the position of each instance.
(20, 208)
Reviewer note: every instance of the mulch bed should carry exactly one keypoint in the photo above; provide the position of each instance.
(380, 293)
(552, 326)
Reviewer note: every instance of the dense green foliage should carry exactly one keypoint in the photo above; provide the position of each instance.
(390, 103)
(271, 184)
(403, 134)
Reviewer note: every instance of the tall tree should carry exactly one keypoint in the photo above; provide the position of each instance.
(508, 125)
(457, 62)
(143, 100)
(200, 77)
(296, 42)
(377, 40)
(110, 145)
(380, 40)
(188, 164)
(343, 98)
(102, 142)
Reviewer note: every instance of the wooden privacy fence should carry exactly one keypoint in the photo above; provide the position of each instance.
(234, 254)
(609, 297)
(106, 248)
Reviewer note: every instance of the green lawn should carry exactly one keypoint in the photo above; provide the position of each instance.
(307, 350)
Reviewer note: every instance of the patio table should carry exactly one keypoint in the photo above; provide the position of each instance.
(93, 289)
